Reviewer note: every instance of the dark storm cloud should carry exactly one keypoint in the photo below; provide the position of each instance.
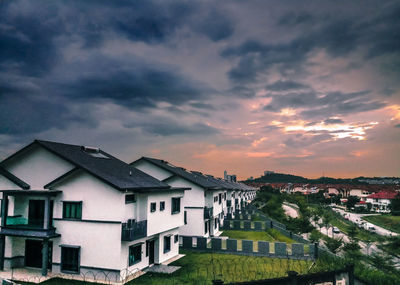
(134, 88)
(203, 106)
(397, 126)
(331, 104)
(26, 40)
(333, 121)
(338, 34)
(305, 141)
(170, 127)
(282, 85)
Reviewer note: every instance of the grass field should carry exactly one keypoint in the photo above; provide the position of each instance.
(202, 268)
(389, 222)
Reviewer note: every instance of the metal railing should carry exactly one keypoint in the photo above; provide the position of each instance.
(133, 230)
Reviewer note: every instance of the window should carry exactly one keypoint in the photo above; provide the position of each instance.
(215, 223)
(185, 217)
(130, 198)
(176, 238)
(219, 198)
(153, 207)
(70, 259)
(225, 196)
(176, 205)
(215, 199)
(162, 206)
(135, 254)
(167, 243)
(205, 227)
(72, 210)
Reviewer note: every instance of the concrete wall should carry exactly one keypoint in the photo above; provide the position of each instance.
(37, 167)
(152, 169)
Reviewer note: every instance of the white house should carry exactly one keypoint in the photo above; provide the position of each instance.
(76, 209)
(203, 204)
(381, 201)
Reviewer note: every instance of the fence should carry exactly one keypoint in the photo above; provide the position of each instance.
(249, 247)
(243, 221)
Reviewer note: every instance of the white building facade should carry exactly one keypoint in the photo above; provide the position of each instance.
(73, 209)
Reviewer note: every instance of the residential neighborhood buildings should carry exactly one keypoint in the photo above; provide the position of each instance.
(75, 209)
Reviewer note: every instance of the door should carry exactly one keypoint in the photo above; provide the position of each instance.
(36, 213)
(33, 253)
(151, 252)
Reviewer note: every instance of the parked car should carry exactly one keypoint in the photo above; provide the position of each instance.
(335, 230)
(372, 228)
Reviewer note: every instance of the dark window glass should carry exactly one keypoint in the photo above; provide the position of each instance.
(176, 205)
(167, 244)
(130, 198)
(162, 206)
(185, 217)
(176, 238)
(135, 254)
(205, 227)
(70, 259)
(153, 207)
(220, 198)
(215, 223)
(72, 210)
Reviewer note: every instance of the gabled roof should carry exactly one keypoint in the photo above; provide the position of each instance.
(102, 165)
(383, 195)
(14, 178)
(181, 172)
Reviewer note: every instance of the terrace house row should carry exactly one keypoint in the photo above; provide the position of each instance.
(72, 209)
(209, 200)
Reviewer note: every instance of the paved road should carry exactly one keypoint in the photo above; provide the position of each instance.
(290, 211)
(354, 217)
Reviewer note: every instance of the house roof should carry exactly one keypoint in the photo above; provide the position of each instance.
(14, 178)
(102, 165)
(193, 177)
(383, 195)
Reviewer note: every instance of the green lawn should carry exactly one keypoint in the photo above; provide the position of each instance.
(202, 268)
(388, 222)
(268, 235)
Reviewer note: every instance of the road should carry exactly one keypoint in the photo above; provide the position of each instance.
(354, 217)
(290, 210)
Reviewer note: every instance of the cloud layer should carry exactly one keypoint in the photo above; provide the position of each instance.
(232, 85)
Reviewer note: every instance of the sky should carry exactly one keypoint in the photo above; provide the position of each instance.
(309, 88)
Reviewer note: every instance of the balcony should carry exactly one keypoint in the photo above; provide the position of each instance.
(208, 213)
(133, 230)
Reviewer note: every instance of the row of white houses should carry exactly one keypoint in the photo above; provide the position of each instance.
(74, 209)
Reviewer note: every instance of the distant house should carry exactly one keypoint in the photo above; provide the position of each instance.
(75, 209)
(381, 201)
(208, 201)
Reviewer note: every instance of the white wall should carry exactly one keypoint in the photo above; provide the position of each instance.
(100, 242)
(160, 221)
(6, 184)
(152, 169)
(193, 197)
(99, 200)
(37, 167)
(195, 223)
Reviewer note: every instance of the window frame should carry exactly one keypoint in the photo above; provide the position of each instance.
(173, 205)
(162, 205)
(78, 261)
(185, 217)
(131, 250)
(176, 238)
(153, 207)
(167, 241)
(128, 201)
(64, 210)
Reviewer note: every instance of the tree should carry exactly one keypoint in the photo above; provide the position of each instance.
(315, 236)
(326, 219)
(333, 244)
(351, 202)
(395, 205)
(352, 249)
(383, 262)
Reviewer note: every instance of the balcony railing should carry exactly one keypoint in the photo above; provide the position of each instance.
(208, 213)
(20, 226)
(133, 230)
